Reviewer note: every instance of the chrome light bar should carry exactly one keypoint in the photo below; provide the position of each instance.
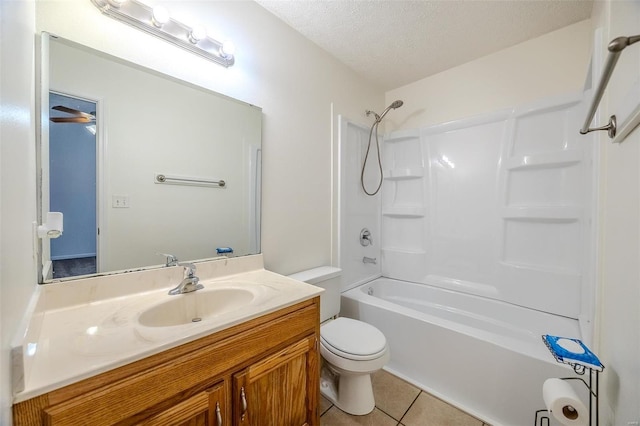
(156, 21)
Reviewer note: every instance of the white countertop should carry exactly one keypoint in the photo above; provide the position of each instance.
(70, 340)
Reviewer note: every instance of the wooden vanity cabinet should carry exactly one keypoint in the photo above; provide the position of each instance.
(259, 399)
(264, 372)
(206, 408)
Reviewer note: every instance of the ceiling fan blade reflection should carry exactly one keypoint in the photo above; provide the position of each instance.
(73, 111)
(71, 119)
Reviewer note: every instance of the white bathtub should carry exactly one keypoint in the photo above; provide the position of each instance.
(481, 355)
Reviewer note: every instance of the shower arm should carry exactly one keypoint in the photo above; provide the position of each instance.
(377, 117)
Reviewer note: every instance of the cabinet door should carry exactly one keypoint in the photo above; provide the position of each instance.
(279, 390)
(207, 408)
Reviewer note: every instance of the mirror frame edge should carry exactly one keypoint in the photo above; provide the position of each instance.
(42, 133)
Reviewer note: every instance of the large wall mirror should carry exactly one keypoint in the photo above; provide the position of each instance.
(135, 161)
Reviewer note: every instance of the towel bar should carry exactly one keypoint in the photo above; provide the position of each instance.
(184, 180)
(616, 46)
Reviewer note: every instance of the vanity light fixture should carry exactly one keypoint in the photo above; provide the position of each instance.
(158, 22)
(159, 16)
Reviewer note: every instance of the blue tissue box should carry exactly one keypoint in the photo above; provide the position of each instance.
(572, 351)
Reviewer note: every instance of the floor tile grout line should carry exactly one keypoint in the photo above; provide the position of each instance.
(410, 405)
(398, 379)
(325, 411)
(404, 412)
(382, 411)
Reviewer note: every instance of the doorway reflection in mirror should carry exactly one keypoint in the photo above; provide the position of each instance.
(72, 183)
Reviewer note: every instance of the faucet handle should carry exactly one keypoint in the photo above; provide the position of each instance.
(189, 269)
(171, 259)
(365, 237)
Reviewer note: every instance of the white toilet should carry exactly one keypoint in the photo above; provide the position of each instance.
(351, 349)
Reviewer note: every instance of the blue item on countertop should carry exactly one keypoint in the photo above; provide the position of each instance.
(572, 351)
(224, 250)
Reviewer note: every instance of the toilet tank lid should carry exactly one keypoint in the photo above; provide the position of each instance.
(316, 275)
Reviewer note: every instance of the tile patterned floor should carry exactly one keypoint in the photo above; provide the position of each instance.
(399, 403)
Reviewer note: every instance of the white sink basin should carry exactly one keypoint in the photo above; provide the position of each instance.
(197, 306)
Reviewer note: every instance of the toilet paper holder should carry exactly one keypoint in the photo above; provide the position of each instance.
(542, 416)
(53, 226)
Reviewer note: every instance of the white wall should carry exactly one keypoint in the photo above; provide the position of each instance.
(17, 176)
(619, 307)
(277, 69)
(549, 65)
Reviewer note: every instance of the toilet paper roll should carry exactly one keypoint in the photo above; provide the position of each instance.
(563, 402)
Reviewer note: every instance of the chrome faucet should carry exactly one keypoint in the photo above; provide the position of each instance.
(369, 260)
(171, 259)
(189, 282)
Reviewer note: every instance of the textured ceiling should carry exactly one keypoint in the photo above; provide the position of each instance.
(396, 42)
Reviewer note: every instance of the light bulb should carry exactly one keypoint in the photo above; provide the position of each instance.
(160, 16)
(228, 48)
(196, 34)
(116, 3)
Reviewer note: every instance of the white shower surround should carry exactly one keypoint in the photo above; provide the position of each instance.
(499, 206)
(496, 211)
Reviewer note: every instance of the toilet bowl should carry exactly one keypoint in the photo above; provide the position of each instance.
(351, 349)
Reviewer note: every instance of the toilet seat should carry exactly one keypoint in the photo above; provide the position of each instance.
(353, 339)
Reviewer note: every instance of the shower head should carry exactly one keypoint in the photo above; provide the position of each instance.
(394, 105)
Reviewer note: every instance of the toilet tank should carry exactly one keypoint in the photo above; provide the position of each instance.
(328, 278)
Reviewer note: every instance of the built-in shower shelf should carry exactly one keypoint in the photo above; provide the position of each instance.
(570, 276)
(545, 160)
(404, 211)
(403, 135)
(402, 174)
(398, 250)
(543, 213)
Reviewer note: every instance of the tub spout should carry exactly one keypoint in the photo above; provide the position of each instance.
(369, 260)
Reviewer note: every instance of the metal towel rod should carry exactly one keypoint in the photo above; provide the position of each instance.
(615, 48)
(184, 180)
